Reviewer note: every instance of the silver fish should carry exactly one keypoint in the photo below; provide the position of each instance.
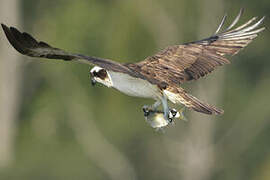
(155, 118)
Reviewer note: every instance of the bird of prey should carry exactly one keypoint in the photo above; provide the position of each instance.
(159, 76)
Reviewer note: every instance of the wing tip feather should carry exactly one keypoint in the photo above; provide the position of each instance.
(9, 32)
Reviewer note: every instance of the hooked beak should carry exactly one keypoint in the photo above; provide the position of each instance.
(93, 81)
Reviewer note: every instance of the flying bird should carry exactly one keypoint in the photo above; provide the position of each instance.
(159, 76)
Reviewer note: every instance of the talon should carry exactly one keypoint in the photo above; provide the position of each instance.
(173, 112)
(170, 120)
(146, 111)
(168, 117)
(171, 117)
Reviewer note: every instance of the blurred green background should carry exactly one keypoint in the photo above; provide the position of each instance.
(55, 125)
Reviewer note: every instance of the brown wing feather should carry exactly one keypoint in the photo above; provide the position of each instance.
(29, 46)
(181, 63)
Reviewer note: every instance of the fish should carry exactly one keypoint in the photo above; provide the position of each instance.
(155, 118)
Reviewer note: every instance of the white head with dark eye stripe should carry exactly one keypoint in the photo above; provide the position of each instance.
(100, 75)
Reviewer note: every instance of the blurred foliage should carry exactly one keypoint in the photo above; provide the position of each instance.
(46, 143)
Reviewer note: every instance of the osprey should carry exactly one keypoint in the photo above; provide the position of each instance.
(159, 76)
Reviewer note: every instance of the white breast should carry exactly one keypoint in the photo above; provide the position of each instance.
(133, 86)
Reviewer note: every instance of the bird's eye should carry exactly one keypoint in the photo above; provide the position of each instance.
(95, 73)
(102, 74)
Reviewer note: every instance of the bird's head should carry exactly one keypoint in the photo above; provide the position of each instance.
(100, 75)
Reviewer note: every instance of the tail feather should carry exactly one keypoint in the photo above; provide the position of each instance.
(199, 106)
(178, 95)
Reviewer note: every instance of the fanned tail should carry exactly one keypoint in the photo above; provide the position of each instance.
(199, 106)
(178, 95)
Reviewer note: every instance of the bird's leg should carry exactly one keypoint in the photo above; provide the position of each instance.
(166, 109)
(155, 105)
(147, 109)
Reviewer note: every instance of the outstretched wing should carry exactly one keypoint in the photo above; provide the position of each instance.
(180, 63)
(27, 45)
